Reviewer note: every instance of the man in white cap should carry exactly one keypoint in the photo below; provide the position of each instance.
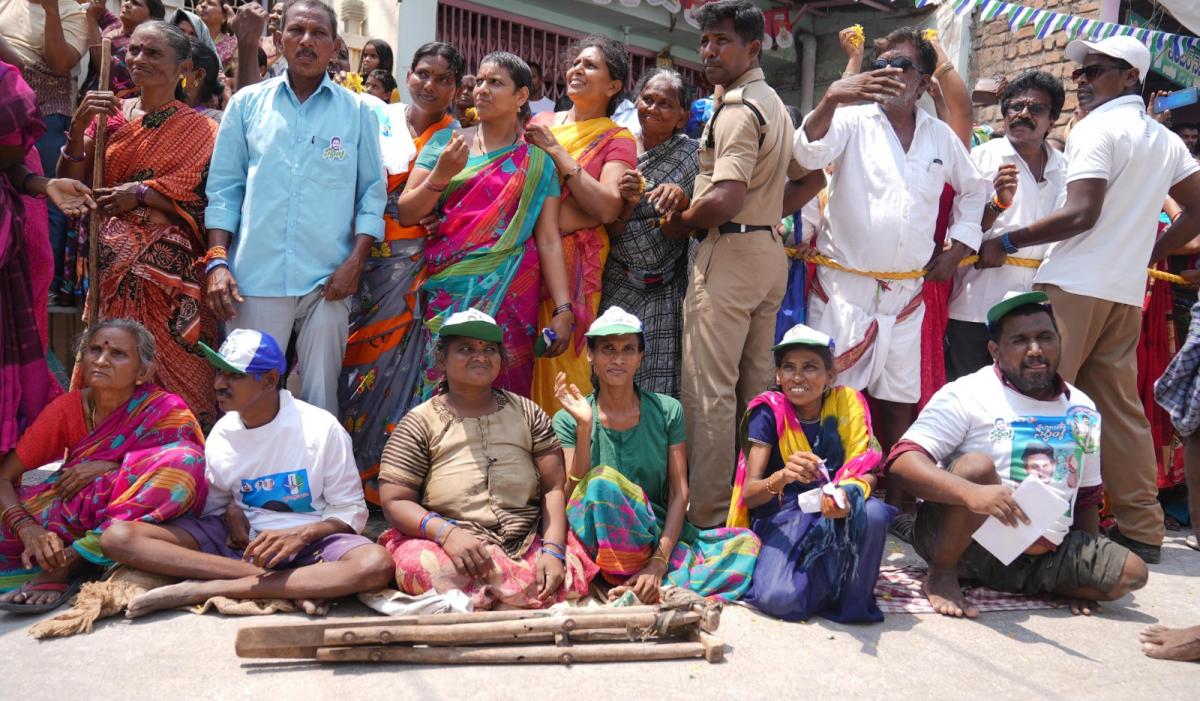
(285, 506)
(965, 454)
(1121, 165)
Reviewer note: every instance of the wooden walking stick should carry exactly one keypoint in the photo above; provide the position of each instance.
(101, 141)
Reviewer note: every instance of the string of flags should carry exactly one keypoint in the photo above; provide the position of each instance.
(1047, 22)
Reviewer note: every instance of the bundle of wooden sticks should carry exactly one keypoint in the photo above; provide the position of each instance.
(634, 633)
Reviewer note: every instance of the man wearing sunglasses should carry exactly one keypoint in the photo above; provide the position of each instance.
(1121, 165)
(891, 164)
(1028, 182)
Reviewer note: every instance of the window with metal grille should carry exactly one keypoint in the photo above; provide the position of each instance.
(477, 31)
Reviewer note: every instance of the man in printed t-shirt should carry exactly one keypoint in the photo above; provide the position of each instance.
(985, 433)
(285, 504)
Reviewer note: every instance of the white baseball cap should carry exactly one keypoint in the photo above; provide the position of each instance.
(472, 323)
(615, 321)
(1126, 48)
(801, 335)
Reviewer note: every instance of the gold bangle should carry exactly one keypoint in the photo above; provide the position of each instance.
(770, 491)
(947, 66)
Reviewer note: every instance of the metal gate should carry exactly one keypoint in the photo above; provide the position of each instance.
(477, 31)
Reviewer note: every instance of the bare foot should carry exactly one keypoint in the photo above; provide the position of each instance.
(186, 593)
(1181, 644)
(945, 595)
(313, 607)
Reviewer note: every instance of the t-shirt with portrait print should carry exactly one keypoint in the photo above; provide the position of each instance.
(1055, 441)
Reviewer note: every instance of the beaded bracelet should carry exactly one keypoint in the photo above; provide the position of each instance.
(562, 557)
(213, 253)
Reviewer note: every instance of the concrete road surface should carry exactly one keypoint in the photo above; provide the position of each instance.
(1030, 654)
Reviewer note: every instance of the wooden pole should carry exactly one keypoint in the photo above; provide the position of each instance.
(522, 654)
(509, 631)
(301, 640)
(100, 143)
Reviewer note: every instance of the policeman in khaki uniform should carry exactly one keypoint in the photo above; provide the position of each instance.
(739, 275)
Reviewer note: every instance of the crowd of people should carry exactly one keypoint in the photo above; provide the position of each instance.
(561, 354)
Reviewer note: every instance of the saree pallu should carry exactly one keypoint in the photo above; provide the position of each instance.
(151, 271)
(612, 516)
(422, 565)
(484, 256)
(592, 144)
(641, 252)
(383, 361)
(159, 448)
(1156, 346)
(25, 381)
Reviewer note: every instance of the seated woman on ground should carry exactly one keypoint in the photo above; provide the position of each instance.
(627, 452)
(472, 485)
(130, 451)
(806, 434)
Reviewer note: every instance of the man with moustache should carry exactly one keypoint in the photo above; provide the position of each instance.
(966, 453)
(739, 274)
(1028, 182)
(891, 162)
(295, 201)
(1121, 165)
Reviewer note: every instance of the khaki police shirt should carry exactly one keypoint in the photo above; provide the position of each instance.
(736, 154)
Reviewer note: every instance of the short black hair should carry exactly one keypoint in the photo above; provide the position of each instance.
(748, 22)
(206, 59)
(616, 58)
(289, 5)
(683, 91)
(156, 8)
(825, 354)
(996, 330)
(518, 70)
(383, 50)
(926, 54)
(454, 58)
(534, 65)
(384, 77)
(1186, 125)
(1036, 80)
(1037, 448)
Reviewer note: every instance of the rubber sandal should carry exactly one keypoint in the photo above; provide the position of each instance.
(902, 527)
(1192, 542)
(66, 589)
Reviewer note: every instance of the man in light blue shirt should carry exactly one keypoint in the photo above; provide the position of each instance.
(296, 193)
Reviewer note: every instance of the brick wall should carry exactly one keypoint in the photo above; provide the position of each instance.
(1000, 51)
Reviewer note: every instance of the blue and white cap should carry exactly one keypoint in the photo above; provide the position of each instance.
(246, 351)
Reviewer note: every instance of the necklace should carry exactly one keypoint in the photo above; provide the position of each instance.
(481, 147)
(91, 413)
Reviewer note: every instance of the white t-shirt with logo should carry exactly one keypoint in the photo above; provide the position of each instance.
(296, 470)
(1141, 160)
(1056, 441)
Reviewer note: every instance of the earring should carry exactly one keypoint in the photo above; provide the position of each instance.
(183, 83)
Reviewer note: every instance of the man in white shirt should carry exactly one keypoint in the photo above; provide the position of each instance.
(285, 503)
(891, 164)
(1121, 165)
(981, 436)
(1028, 182)
(538, 102)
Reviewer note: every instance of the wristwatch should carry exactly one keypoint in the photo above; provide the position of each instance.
(1007, 244)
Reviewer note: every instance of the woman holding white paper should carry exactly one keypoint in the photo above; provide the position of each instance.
(809, 441)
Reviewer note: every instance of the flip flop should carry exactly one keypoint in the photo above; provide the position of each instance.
(66, 589)
(1192, 542)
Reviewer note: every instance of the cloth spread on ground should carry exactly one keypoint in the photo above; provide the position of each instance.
(898, 590)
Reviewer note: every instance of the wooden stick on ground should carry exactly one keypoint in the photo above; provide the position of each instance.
(101, 142)
(600, 652)
(301, 640)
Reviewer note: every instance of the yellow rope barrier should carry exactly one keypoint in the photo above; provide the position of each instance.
(819, 259)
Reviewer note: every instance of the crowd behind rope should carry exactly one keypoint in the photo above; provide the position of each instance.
(597, 297)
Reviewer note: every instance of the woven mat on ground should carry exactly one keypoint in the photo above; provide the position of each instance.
(109, 597)
(899, 591)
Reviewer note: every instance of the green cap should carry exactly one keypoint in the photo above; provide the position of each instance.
(1012, 300)
(615, 321)
(473, 323)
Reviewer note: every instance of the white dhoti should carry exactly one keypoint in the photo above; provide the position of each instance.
(877, 329)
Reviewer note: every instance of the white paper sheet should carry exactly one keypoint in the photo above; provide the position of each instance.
(1039, 503)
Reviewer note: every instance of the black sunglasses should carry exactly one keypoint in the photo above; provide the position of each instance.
(902, 62)
(1035, 109)
(1093, 71)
